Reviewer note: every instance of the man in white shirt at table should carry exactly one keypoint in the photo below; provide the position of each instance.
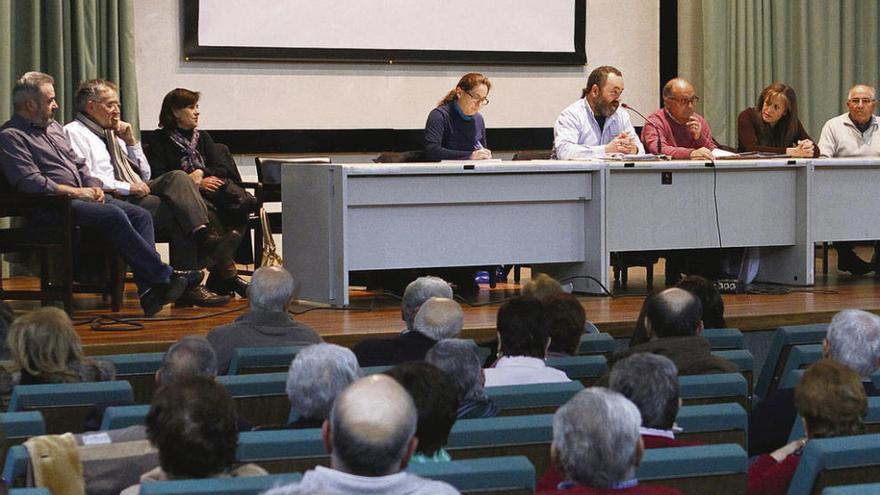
(853, 134)
(595, 126)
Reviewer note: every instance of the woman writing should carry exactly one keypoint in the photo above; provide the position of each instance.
(455, 129)
(772, 126)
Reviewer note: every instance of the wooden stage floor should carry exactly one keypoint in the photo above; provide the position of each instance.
(376, 314)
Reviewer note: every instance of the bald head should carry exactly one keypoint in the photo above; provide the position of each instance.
(861, 102)
(674, 313)
(372, 425)
(677, 87)
(439, 318)
(679, 99)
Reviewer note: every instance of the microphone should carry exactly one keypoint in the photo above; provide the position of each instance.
(630, 108)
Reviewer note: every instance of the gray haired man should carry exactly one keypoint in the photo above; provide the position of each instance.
(317, 375)
(267, 323)
(370, 436)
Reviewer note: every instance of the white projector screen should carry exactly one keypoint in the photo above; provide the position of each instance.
(455, 31)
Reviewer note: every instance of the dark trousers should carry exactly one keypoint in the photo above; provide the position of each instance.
(129, 231)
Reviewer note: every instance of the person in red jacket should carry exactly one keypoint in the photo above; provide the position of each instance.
(596, 442)
(832, 402)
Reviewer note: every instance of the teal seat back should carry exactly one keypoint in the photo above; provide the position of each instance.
(65, 406)
(528, 436)
(716, 469)
(260, 399)
(586, 369)
(249, 360)
(724, 338)
(15, 467)
(283, 451)
(117, 417)
(708, 389)
(837, 461)
(540, 398)
(219, 486)
(18, 427)
(861, 489)
(508, 475)
(872, 420)
(783, 339)
(138, 369)
(746, 363)
(596, 343)
(375, 370)
(29, 491)
(713, 423)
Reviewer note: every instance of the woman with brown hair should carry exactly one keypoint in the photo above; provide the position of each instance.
(455, 129)
(178, 144)
(831, 400)
(45, 349)
(772, 126)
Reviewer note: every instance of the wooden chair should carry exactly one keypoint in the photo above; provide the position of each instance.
(61, 241)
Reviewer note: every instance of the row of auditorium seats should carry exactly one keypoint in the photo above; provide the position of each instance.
(718, 469)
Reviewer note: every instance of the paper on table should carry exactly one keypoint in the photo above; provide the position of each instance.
(720, 153)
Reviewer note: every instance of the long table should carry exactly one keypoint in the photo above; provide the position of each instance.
(339, 218)
(566, 217)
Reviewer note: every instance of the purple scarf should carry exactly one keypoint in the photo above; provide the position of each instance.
(192, 159)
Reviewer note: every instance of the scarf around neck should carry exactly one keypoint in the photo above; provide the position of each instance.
(191, 159)
(124, 168)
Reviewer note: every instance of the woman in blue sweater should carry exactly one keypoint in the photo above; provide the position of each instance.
(455, 129)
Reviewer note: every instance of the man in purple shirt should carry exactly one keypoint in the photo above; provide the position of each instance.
(676, 130)
(37, 158)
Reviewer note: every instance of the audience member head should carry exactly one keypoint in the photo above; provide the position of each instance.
(99, 100)
(861, 100)
(194, 426)
(777, 112)
(853, 339)
(417, 292)
(596, 438)
(831, 399)
(541, 287)
(674, 313)
(458, 359)
(640, 332)
(372, 426)
(439, 318)
(317, 375)
(471, 92)
(604, 87)
(679, 99)
(565, 323)
(33, 97)
(180, 109)
(271, 289)
(522, 328)
(43, 343)
(710, 298)
(436, 398)
(191, 356)
(650, 381)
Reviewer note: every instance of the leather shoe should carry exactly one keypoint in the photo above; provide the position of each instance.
(202, 297)
(159, 295)
(230, 286)
(192, 278)
(854, 265)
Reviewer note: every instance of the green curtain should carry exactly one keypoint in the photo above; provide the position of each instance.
(71, 40)
(819, 47)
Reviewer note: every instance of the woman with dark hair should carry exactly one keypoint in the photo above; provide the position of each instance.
(773, 126)
(709, 296)
(179, 145)
(831, 400)
(522, 346)
(455, 129)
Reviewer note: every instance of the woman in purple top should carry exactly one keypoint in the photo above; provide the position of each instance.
(455, 129)
(773, 126)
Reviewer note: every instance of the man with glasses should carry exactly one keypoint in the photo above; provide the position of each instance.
(855, 133)
(676, 129)
(595, 126)
(114, 156)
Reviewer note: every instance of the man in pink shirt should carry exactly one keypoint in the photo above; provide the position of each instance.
(676, 130)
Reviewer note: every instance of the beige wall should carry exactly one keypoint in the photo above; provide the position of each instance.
(240, 95)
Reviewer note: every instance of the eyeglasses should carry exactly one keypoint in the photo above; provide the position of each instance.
(686, 101)
(861, 101)
(481, 101)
